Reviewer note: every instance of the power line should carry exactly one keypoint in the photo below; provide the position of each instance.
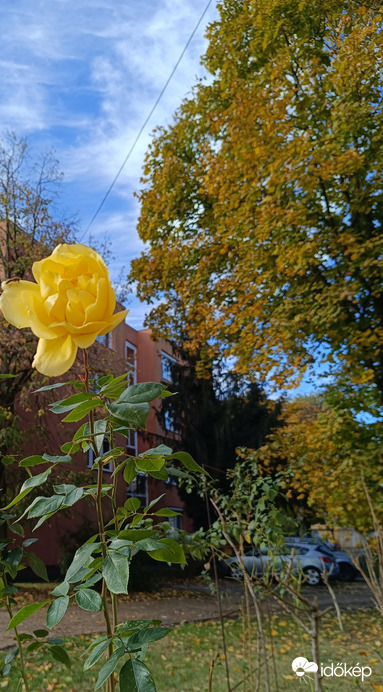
(142, 128)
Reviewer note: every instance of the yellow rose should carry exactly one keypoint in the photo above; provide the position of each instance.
(70, 305)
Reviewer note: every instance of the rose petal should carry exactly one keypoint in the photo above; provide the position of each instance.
(114, 321)
(39, 321)
(55, 356)
(16, 301)
(98, 309)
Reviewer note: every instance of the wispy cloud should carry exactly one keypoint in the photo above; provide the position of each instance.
(83, 76)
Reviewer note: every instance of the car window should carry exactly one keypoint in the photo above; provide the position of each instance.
(320, 549)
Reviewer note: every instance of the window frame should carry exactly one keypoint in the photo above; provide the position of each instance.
(166, 357)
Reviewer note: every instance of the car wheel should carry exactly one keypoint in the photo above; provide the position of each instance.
(313, 576)
(236, 573)
(347, 572)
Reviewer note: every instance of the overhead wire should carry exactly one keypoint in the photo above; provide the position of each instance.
(144, 124)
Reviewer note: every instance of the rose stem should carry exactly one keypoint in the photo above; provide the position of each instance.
(100, 519)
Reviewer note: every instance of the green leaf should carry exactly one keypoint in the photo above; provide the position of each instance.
(48, 387)
(44, 505)
(64, 488)
(153, 502)
(88, 599)
(171, 552)
(32, 461)
(105, 379)
(141, 393)
(6, 376)
(25, 613)
(37, 565)
(34, 646)
(109, 667)
(40, 633)
(133, 415)
(134, 625)
(82, 410)
(73, 496)
(115, 570)
(28, 485)
(62, 589)
(132, 504)
(188, 461)
(96, 654)
(25, 637)
(11, 655)
(136, 677)
(100, 428)
(70, 403)
(130, 471)
(164, 512)
(136, 534)
(59, 654)
(162, 474)
(151, 634)
(91, 581)
(161, 450)
(7, 460)
(150, 464)
(13, 559)
(57, 459)
(106, 388)
(81, 557)
(148, 544)
(56, 611)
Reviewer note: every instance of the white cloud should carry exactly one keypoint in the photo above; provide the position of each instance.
(83, 76)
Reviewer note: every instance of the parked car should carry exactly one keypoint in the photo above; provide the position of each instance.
(307, 557)
(346, 568)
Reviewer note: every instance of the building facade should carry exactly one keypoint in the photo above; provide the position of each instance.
(123, 350)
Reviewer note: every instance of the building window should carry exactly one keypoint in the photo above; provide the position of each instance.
(169, 423)
(131, 443)
(167, 363)
(131, 362)
(105, 448)
(106, 339)
(177, 521)
(139, 488)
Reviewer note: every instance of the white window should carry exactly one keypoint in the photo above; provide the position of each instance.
(139, 488)
(106, 339)
(131, 443)
(167, 363)
(169, 421)
(131, 362)
(105, 448)
(177, 521)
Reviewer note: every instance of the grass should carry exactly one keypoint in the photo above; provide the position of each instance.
(181, 661)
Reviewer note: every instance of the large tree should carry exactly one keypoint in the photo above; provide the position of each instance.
(262, 203)
(327, 454)
(213, 416)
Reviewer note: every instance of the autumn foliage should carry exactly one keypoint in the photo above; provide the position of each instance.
(262, 203)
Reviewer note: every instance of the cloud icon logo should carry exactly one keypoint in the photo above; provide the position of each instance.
(301, 666)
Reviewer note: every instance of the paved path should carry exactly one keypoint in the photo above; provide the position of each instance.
(191, 605)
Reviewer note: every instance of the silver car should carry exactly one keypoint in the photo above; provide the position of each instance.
(308, 558)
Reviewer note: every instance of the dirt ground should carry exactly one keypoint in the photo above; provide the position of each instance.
(175, 604)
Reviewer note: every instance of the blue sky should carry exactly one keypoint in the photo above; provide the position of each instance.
(81, 76)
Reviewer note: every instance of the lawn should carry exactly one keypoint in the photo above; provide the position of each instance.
(181, 661)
